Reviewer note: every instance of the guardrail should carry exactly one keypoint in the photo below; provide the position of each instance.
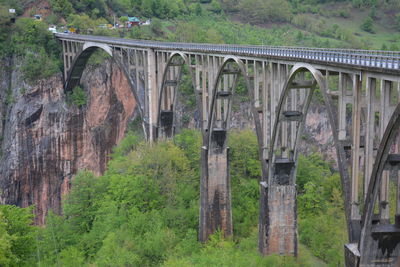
(359, 58)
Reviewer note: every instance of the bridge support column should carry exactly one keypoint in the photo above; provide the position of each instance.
(215, 194)
(152, 93)
(278, 220)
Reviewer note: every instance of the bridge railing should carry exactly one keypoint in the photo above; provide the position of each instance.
(359, 58)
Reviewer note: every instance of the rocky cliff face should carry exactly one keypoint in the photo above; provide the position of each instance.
(45, 140)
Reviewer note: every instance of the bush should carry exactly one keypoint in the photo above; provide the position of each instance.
(367, 25)
(38, 66)
(32, 40)
(77, 97)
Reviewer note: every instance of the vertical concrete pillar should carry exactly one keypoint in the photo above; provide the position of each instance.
(355, 153)
(215, 193)
(152, 92)
(278, 220)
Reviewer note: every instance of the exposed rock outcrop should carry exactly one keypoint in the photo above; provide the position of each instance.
(45, 140)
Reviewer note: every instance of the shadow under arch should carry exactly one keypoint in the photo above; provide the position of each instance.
(379, 241)
(283, 156)
(215, 194)
(79, 64)
(171, 79)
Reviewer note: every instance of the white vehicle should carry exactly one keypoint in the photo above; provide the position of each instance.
(53, 29)
(147, 22)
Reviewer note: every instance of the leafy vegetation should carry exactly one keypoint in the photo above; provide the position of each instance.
(144, 212)
(17, 236)
(77, 97)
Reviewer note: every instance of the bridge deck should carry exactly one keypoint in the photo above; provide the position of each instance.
(371, 60)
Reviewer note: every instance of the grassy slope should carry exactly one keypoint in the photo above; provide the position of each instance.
(383, 27)
(385, 32)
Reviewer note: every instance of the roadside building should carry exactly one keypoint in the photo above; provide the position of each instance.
(133, 21)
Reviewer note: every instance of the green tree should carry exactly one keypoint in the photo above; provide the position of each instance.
(62, 7)
(367, 25)
(18, 238)
(123, 20)
(216, 7)
(6, 255)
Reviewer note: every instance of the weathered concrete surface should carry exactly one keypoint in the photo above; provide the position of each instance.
(216, 212)
(280, 226)
(46, 141)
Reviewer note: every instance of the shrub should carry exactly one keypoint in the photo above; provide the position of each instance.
(367, 25)
(77, 97)
(38, 66)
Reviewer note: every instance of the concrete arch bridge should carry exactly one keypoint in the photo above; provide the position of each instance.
(361, 90)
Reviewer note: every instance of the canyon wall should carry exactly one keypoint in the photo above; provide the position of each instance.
(45, 140)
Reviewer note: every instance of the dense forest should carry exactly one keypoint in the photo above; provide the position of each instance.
(144, 210)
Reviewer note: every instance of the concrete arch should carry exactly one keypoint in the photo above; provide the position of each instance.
(379, 241)
(353, 227)
(301, 67)
(282, 170)
(256, 118)
(165, 118)
(80, 61)
(242, 71)
(105, 47)
(215, 212)
(79, 65)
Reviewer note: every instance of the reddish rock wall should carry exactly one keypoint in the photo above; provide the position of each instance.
(46, 141)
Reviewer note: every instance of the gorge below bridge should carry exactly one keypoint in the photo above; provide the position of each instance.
(361, 91)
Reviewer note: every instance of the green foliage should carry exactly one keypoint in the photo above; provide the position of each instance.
(17, 236)
(77, 97)
(133, 214)
(33, 35)
(62, 7)
(367, 24)
(244, 154)
(84, 22)
(38, 66)
(321, 210)
(216, 7)
(32, 40)
(144, 211)
(245, 174)
(259, 11)
(190, 143)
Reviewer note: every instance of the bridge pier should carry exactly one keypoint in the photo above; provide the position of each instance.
(215, 192)
(278, 220)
